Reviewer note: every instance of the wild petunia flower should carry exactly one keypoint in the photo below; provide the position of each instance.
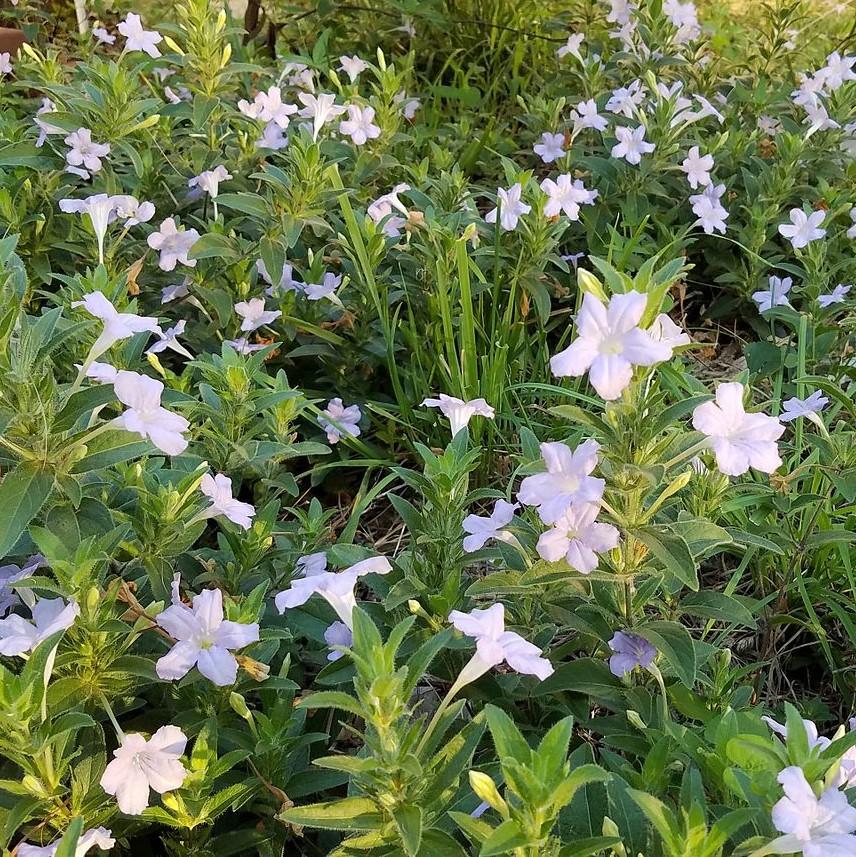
(572, 47)
(103, 373)
(577, 537)
(145, 416)
(269, 107)
(512, 208)
(409, 106)
(568, 480)
(286, 283)
(337, 634)
(566, 195)
(209, 180)
(631, 144)
(458, 412)
(551, 147)
(709, 210)
(809, 407)
(836, 296)
(697, 168)
(204, 637)
(664, 330)
(494, 645)
(243, 346)
(139, 765)
(353, 66)
(97, 837)
(337, 420)
(609, 344)
(272, 138)
(851, 232)
(19, 636)
(101, 211)
(803, 228)
(104, 37)
(254, 314)
(337, 588)
(218, 489)
(325, 289)
(775, 295)
(359, 125)
(169, 339)
(631, 651)
(173, 244)
(12, 573)
(585, 115)
(6, 66)
(814, 827)
(739, 440)
(172, 293)
(815, 740)
(45, 128)
(132, 211)
(82, 152)
(626, 99)
(481, 529)
(320, 109)
(139, 39)
(117, 325)
(837, 71)
(381, 211)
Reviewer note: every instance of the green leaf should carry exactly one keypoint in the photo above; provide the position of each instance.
(508, 836)
(246, 203)
(587, 847)
(23, 492)
(661, 817)
(710, 604)
(68, 844)
(352, 813)
(675, 644)
(408, 821)
(508, 739)
(333, 699)
(672, 551)
(113, 447)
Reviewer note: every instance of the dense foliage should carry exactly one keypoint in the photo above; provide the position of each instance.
(425, 430)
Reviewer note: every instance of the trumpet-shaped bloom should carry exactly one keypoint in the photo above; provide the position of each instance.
(132, 211)
(12, 573)
(337, 588)
(83, 152)
(609, 344)
(336, 420)
(709, 210)
(254, 314)
(511, 207)
(630, 651)
(169, 339)
(458, 412)
(117, 325)
(381, 211)
(572, 47)
(578, 538)
(219, 489)
(269, 107)
(320, 109)
(103, 36)
(494, 644)
(631, 144)
(353, 66)
(49, 615)
(566, 195)
(585, 115)
(663, 329)
(803, 228)
(481, 529)
(775, 295)
(551, 147)
(359, 125)
(810, 407)
(101, 211)
(204, 637)
(815, 740)
(145, 416)
(139, 765)
(6, 66)
(626, 99)
(209, 181)
(814, 827)
(337, 634)
(325, 289)
(836, 296)
(103, 373)
(139, 39)
(172, 293)
(286, 283)
(568, 480)
(173, 244)
(97, 837)
(272, 138)
(697, 168)
(739, 440)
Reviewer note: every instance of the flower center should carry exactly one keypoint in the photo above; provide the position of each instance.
(611, 345)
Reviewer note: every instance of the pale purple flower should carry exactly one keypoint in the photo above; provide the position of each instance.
(96, 837)
(101, 211)
(45, 128)
(320, 109)
(117, 325)
(381, 211)
(145, 416)
(775, 295)
(10, 574)
(585, 115)
(173, 244)
(243, 346)
(169, 339)
(815, 740)
(572, 47)
(254, 314)
(286, 283)
(209, 180)
(6, 66)
(269, 107)
(664, 330)
(359, 125)
(172, 293)
(102, 373)
(809, 407)
(409, 106)
(512, 208)
(631, 144)
(458, 412)
(272, 138)
(103, 36)
(697, 167)
(19, 636)
(139, 39)
(769, 125)
(353, 66)
(83, 152)
(338, 634)
(709, 210)
(482, 529)
(577, 537)
(336, 420)
(836, 296)
(566, 195)
(325, 289)
(132, 211)
(551, 147)
(803, 228)
(218, 489)
(739, 440)
(838, 70)
(631, 651)
(626, 99)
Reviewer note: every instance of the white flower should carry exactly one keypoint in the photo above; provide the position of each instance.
(117, 325)
(243, 346)
(459, 412)
(566, 195)
(169, 339)
(209, 181)
(139, 765)
(337, 420)
(775, 295)
(359, 125)
(814, 739)
(99, 837)
(325, 289)
(219, 489)
(204, 637)
(609, 344)
(407, 27)
(814, 827)
(511, 205)
(551, 147)
(49, 615)
(145, 416)
(381, 209)
(272, 138)
(578, 538)
(586, 116)
(697, 167)
(10, 574)
(103, 373)
(739, 440)
(837, 71)
(336, 587)
(311, 563)
(173, 244)
(769, 125)
(631, 144)
(836, 296)
(810, 407)
(626, 99)
(567, 481)
(620, 11)
(171, 293)
(494, 644)
(663, 329)
(6, 66)
(481, 529)
(320, 109)
(104, 37)
(572, 47)
(353, 66)
(409, 105)
(183, 94)
(132, 211)
(338, 634)
(269, 107)
(47, 106)
(817, 117)
(803, 228)
(254, 314)
(286, 283)
(83, 152)
(100, 209)
(138, 39)
(709, 210)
